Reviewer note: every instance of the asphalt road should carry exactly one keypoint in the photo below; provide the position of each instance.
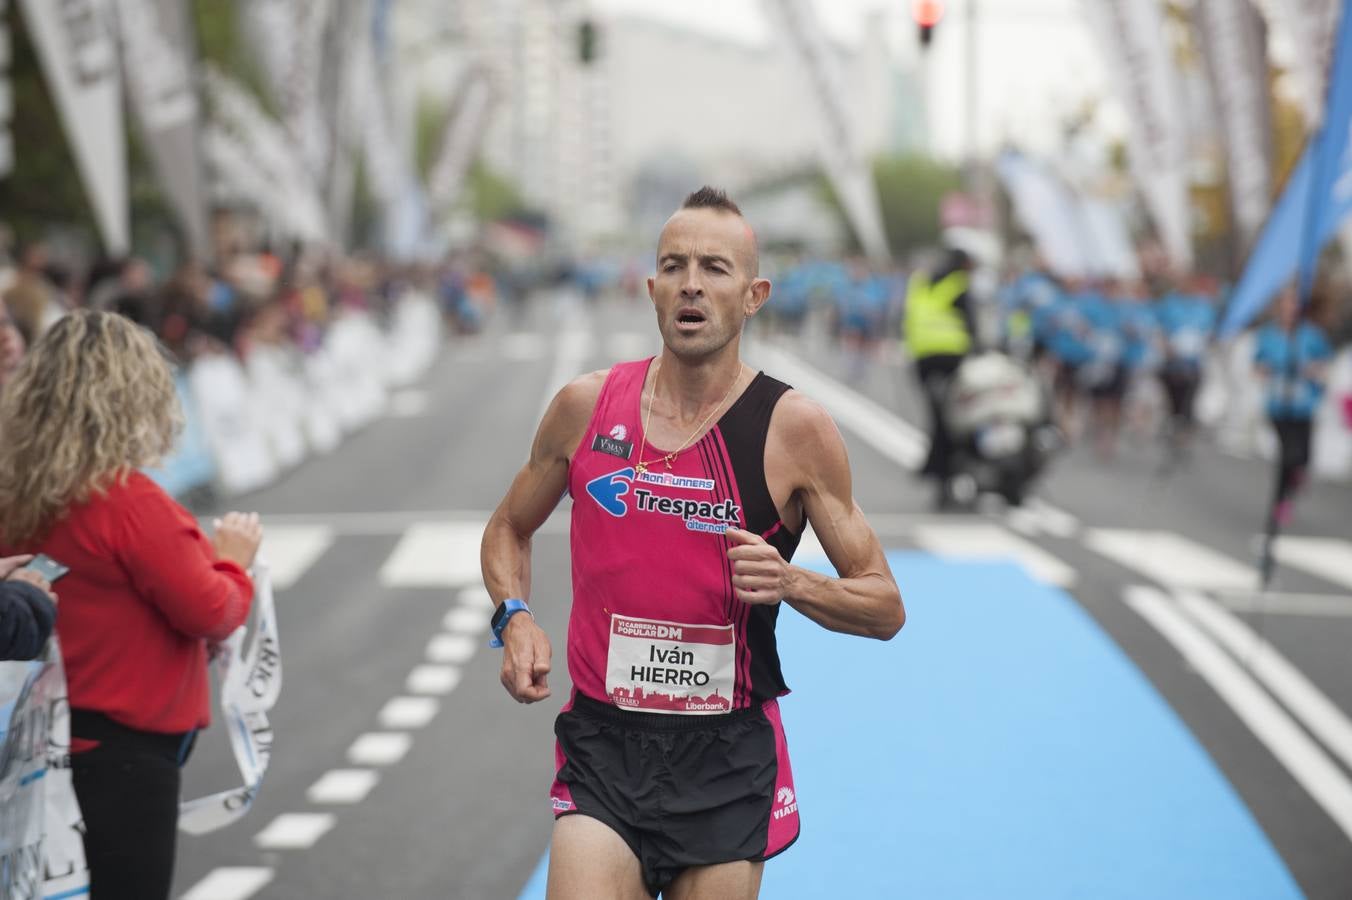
(377, 547)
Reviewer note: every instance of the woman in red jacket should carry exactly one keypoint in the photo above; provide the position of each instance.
(92, 404)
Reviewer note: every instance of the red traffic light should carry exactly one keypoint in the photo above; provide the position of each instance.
(927, 13)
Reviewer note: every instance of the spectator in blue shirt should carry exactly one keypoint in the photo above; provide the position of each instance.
(1292, 356)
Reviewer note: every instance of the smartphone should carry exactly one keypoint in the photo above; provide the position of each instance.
(47, 567)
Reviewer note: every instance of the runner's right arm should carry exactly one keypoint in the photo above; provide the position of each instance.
(505, 553)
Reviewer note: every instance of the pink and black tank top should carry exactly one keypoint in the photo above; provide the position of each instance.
(655, 625)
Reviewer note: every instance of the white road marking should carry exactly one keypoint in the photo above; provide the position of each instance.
(432, 680)
(1293, 748)
(1051, 519)
(290, 550)
(409, 404)
(1023, 521)
(1287, 683)
(524, 346)
(884, 430)
(377, 748)
(1170, 559)
(451, 648)
(476, 598)
(230, 883)
(435, 554)
(294, 831)
(984, 540)
(467, 620)
(1275, 603)
(1329, 558)
(408, 712)
(575, 346)
(343, 786)
(633, 345)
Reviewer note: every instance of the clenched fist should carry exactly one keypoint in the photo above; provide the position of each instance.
(237, 538)
(759, 573)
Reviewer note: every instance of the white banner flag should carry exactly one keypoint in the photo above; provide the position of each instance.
(159, 62)
(1235, 46)
(1310, 26)
(344, 95)
(251, 149)
(461, 139)
(1131, 36)
(1048, 211)
(75, 44)
(850, 172)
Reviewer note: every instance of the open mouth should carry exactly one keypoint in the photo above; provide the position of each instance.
(689, 317)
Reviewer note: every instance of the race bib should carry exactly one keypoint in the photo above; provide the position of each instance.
(669, 667)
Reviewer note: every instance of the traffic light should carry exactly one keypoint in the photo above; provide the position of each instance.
(586, 42)
(927, 14)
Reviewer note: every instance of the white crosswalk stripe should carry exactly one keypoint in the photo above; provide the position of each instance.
(343, 786)
(429, 679)
(1171, 559)
(230, 883)
(1328, 558)
(290, 550)
(408, 712)
(984, 540)
(379, 748)
(294, 831)
(435, 554)
(451, 648)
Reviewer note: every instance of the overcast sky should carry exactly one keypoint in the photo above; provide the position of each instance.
(1035, 58)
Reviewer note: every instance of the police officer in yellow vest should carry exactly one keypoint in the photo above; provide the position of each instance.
(939, 329)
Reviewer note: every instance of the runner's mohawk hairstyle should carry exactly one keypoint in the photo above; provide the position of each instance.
(711, 198)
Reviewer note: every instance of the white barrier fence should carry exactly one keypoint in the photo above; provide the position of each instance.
(265, 416)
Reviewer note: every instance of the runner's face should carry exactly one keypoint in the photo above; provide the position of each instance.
(705, 286)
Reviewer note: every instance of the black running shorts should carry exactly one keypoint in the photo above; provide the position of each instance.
(680, 790)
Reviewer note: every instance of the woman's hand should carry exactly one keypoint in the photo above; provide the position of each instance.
(30, 577)
(12, 569)
(11, 564)
(237, 538)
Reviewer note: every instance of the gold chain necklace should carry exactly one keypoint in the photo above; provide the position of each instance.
(669, 458)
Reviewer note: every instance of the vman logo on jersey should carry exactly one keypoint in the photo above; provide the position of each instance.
(699, 515)
(613, 445)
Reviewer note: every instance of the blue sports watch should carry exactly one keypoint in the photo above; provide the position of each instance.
(503, 614)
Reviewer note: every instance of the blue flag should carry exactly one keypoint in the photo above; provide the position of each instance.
(1315, 202)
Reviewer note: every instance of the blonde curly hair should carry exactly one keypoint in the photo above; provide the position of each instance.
(93, 401)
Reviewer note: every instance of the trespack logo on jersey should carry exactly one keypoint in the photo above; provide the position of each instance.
(609, 491)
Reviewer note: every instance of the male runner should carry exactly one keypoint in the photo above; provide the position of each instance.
(692, 478)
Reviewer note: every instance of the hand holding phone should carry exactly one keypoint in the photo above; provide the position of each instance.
(47, 568)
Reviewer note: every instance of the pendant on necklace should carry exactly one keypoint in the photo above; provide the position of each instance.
(669, 457)
(641, 469)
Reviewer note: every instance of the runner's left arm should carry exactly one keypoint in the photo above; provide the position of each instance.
(864, 599)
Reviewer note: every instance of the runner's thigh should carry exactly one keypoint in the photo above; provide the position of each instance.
(725, 881)
(589, 861)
